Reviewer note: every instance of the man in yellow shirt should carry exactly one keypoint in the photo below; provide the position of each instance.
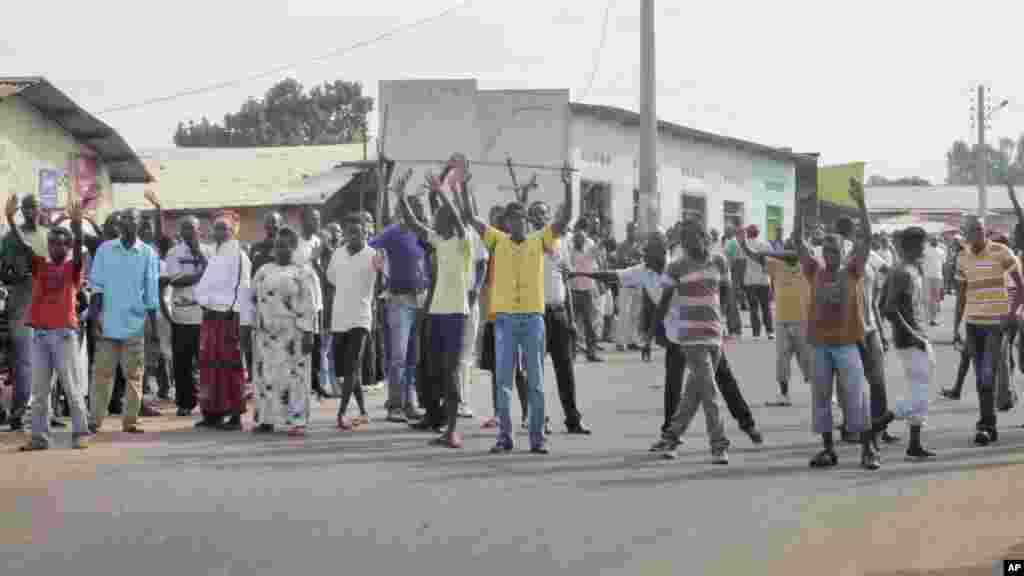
(517, 298)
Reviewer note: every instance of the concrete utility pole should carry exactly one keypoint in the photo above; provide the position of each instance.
(981, 165)
(647, 165)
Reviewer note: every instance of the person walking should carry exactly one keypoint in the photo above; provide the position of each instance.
(756, 283)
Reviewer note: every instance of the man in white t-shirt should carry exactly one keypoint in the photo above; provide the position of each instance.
(757, 285)
(934, 258)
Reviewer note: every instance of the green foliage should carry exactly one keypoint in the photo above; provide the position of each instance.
(1006, 159)
(287, 115)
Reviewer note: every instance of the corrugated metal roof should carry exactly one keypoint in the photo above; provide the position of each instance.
(207, 178)
(933, 198)
(630, 118)
(121, 161)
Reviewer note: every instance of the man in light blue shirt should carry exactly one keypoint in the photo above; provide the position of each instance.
(125, 279)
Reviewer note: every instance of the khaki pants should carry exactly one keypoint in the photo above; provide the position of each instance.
(131, 356)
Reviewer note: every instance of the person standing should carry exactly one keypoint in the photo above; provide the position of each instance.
(284, 336)
(226, 281)
(934, 259)
(186, 263)
(307, 253)
(53, 317)
(125, 279)
(984, 302)
(353, 272)
(904, 303)
(518, 301)
(584, 260)
(757, 285)
(835, 327)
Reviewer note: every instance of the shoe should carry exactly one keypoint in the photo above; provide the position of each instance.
(80, 442)
(93, 428)
(825, 459)
(16, 424)
(148, 411)
(719, 456)
(263, 429)
(919, 453)
(982, 438)
(57, 424)
(424, 426)
(344, 423)
(547, 427)
(297, 432)
(594, 359)
(879, 424)
(207, 423)
(34, 446)
(780, 401)
(525, 424)
(598, 347)
(397, 416)
(133, 430)
(949, 394)
(411, 413)
(453, 441)
(232, 425)
(889, 438)
(542, 449)
(578, 430)
(489, 423)
(620, 348)
(361, 420)
(465, 411)
(771, 336)
(755, 435)
(870, 460)
(633, 347)
(667, 448)
(501, 448)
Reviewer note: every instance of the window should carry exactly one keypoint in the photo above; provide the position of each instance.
(772, 222)
(694, 208)
(732, 214)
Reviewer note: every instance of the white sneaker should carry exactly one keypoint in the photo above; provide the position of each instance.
(465, 411)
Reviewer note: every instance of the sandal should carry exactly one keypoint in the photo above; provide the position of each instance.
(825, 459)
(33, 447)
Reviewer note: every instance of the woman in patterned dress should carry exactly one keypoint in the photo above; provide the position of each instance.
(283, 338)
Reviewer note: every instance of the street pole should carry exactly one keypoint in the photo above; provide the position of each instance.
(981, 166)
(647, 166)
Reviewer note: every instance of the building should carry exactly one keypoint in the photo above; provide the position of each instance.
(251, 181)
(723, 181)
(939, 204)
(51, 147)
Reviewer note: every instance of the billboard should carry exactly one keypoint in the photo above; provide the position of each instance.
(834, 183)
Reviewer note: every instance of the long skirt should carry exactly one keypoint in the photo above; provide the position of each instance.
(221, 372)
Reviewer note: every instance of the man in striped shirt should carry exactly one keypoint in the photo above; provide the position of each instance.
(984, 302)
(692, 316)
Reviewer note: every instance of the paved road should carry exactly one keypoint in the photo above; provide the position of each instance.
(380, 501)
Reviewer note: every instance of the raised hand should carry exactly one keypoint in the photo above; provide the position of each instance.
(856, 191)
(75, 212)
(12, 206)
(152, 197)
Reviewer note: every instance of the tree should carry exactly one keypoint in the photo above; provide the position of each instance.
(961, 161)
(287, 115)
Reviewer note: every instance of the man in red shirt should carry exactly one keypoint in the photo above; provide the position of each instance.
(53, 315)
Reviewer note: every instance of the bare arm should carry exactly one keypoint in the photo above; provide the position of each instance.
(560, 226)
(12, 209)
(460, 226)
(863, 249)
(419, 228)
(76, 234)
(1013, 199)
(471, 214)
(755, 256)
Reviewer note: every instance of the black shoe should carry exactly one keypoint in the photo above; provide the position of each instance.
(93, 428)
(918, 453)
(870, 460)
(578, 430)
(183, 412)
(949, 394)
(425, 426)
(501, 448)
(982, 438)
(539, 450)
(263, 429)
(207, 423)
(16, 424)
(879, 424)
(755, 435)
(594, 358)
(232, 425)
(889, 438)
(57, 424)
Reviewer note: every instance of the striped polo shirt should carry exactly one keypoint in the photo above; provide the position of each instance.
(986, 275)
(695, 313)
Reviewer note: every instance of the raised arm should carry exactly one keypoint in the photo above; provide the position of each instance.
(560, 226)
(419, 228)
(460, 225)
(863, 248)
(471, 213)
(758, 257)
(75, 212)
(11, 210)
(158, 223)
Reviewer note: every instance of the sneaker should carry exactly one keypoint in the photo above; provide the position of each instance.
(889, 438)
(771, 336)
(870, 461)
(397, 416)
(541, 449)
(755, 435)
(344, 423)
(16, 424)
(547, 427)
(982, 438)
(949, 394)
(361, 420)
(719, 456)
(60, 425)
(465, 411)
(263, 429)
(501, 448)
(667, 448)
(780, 400)
(80, 442)
(411, 413)
(919, 453)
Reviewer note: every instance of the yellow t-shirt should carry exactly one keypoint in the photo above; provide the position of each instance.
(986, 276)
(791, 290)
(518, 284)
(453, 260)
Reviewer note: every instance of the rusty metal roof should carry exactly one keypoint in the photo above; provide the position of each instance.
(120, 160)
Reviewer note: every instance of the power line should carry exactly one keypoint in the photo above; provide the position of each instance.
(598, 51)
(332, 54)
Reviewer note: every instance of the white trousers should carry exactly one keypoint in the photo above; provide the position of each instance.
(469, 345)
(919, 368)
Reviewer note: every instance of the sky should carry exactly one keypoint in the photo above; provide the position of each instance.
(889, 83)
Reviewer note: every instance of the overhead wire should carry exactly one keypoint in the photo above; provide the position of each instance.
(387, 35)
(598, 52)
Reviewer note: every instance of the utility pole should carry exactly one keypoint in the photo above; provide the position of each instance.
(647, 166)
(981, 164)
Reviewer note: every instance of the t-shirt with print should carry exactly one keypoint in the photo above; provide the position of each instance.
(518, 283)
(985, 274)
(791, 289)
(836, 309)
(180, 260)
(54, 292)
(695, 313)
(453, 258)
(905, 297)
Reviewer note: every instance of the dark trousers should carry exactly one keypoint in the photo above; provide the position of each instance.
(760, 298)
(314, 364)
(873, 358)
(427, 388)
(986, 341)
(446, 335)
(348, 355)
(675, 366)
(560, 347)
(185, 344)
(583, 306)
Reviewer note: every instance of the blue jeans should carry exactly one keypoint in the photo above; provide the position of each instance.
(328, 374)
(55, 352)
(512, 332)
(987, 343)
(21, 342)
(401, 320)
(844, 361)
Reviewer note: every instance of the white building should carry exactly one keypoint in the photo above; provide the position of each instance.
(723, 180)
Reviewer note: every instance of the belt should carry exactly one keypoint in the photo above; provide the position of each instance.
(556, 307)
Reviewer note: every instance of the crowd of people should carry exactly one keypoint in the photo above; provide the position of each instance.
(123, 311)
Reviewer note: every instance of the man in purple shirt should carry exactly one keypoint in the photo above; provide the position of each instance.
(407, 288)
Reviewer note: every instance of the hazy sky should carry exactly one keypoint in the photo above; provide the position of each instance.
(885, 82)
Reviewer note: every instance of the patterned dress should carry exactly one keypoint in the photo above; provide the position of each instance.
(286, 308)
